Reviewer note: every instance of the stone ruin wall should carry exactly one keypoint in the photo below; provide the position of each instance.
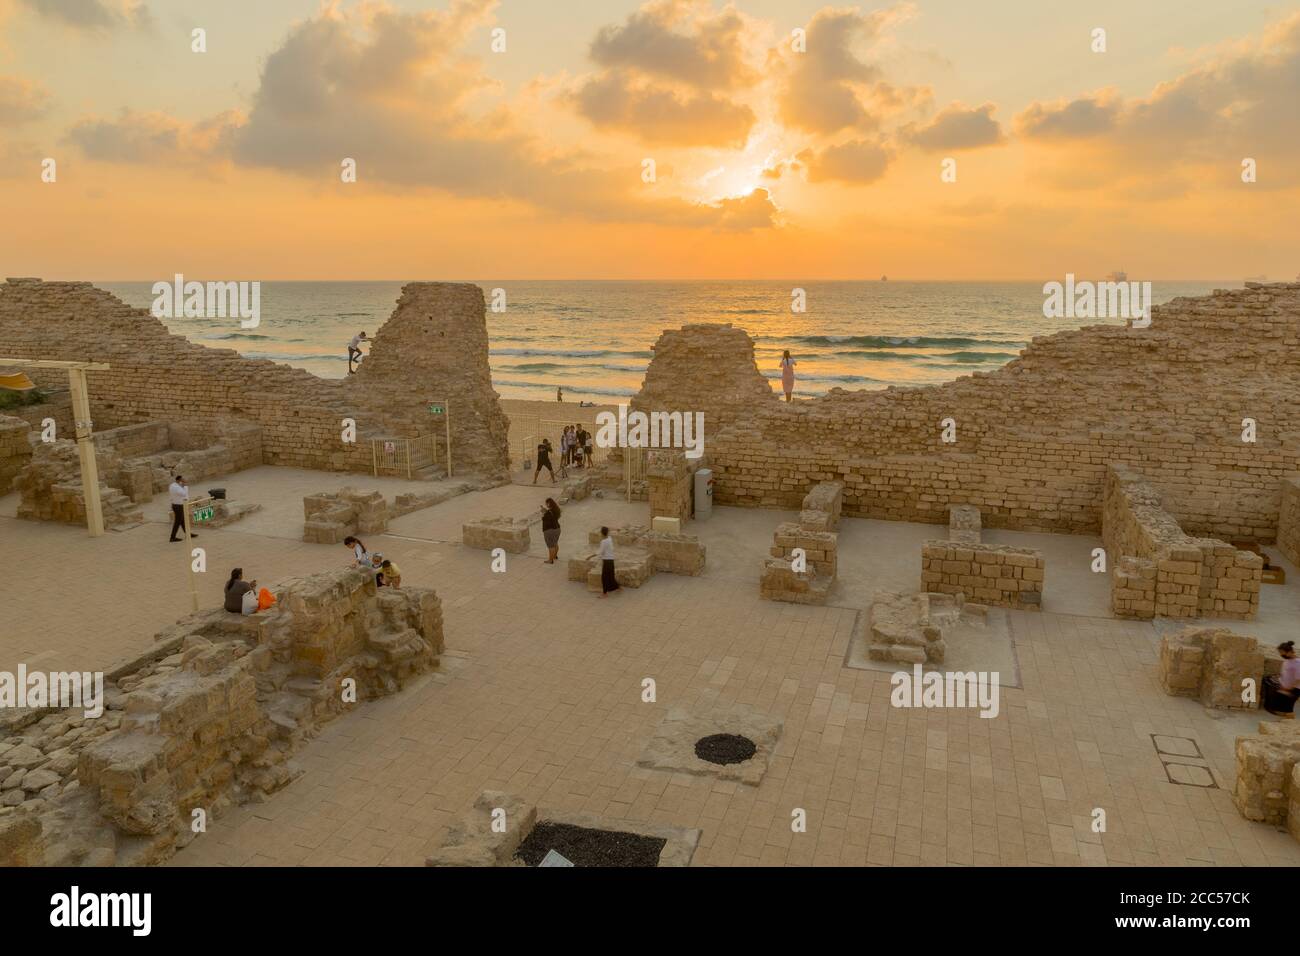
(1034, 437)
(211, 716)
(15, 450)
(1160, 571)
(1288, 521)
(433, 347)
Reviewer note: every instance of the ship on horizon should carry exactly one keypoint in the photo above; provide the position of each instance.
(1117, 276)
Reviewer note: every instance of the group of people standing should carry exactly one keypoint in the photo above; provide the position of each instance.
(575, 450)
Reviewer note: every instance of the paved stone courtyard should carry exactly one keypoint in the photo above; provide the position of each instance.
(540, 695)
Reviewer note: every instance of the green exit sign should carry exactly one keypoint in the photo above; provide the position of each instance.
(435, 409)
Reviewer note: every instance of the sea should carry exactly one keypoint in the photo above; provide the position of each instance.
(593, 338)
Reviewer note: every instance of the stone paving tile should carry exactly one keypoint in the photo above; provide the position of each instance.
(540, 693)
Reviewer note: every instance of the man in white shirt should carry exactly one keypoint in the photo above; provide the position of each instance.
(179, 494)
(354, 350)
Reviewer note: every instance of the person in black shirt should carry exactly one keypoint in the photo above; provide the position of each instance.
(584, 442)
(551, 529)
(544, 460)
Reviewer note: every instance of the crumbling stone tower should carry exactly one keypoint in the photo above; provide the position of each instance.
(434, 348)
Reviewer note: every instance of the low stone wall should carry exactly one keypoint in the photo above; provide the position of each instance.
(511, 534)
(211, 716)
(50, 487)
(780, 581)
(987, 574)
(1288, 521)
(1159, 571)
(15, 450)
(999, 576)
(1212, 664)
(135, 463)
(671, 553)
(1265, 787)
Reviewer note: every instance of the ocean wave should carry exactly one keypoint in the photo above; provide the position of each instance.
(976, 357)
(573, 353)
(894, 341)
(835, 379)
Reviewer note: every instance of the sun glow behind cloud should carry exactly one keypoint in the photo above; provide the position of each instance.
(768, 160)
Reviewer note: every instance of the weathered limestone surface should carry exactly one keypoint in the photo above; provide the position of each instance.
(505, 532)
(1211, 665)
(15, 450)
(1288, 520)
(1160, 571)
(909, 628)
(333, 515)
(705, 368)
(821, 506)
(1001, 576)
(1034, 437)
(476, 839)
(669, 474)
(433, 348)
(209, 717)
(135, 463)
(672, 553)
(1266, 764)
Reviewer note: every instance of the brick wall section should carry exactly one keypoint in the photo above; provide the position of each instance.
(1034, 437)
(1288, 521)
(668, 476)
(985, 574)
(15, 450)
(1193, 577)
(434, 346)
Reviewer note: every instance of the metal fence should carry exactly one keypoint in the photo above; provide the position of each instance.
(403, 457)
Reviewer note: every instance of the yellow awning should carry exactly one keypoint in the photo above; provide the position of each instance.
(18, 382)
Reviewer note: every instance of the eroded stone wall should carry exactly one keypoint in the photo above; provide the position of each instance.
(1159, 571)
(1288, 519)
(15, 450)
(432, 348)
(1034, 438)
(211, 716)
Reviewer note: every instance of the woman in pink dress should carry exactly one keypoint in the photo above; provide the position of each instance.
(787, 375)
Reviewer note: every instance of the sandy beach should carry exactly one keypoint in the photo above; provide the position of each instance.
(530, 420)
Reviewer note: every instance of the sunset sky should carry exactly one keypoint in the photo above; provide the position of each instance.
(770, 163)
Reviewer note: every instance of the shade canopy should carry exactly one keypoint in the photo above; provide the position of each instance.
(16, 382)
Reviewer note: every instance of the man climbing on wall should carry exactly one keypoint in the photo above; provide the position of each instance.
(354, 350)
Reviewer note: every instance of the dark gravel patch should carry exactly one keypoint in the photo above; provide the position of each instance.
(725, 748)
(583, 846)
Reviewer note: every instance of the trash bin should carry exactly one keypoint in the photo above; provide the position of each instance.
(703, 494)
(218, 493)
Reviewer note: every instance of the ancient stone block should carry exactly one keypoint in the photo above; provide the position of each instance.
(503, 532)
